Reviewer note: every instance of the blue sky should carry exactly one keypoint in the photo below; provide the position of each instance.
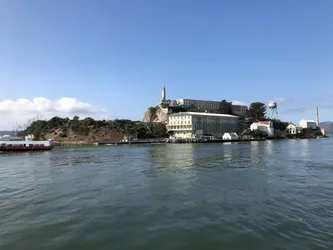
(116, 55)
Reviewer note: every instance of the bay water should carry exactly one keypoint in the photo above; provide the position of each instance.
(245, 195)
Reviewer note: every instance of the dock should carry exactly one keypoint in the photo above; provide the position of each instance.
(167, 140)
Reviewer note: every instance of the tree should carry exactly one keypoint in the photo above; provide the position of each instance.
(279, 125)
(258, 134)
(88, 121)
(55, 122)
(225, 107)
(257, 111)
(173, 110)
(159, 130)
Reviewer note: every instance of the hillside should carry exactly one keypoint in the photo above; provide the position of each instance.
(88, 130)
(328, 126)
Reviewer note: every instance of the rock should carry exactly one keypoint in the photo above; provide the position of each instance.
(155, 114)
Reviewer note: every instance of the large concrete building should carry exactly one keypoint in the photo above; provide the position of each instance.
(308, 124)
(201, 105)
(210, 106)
(197, 125)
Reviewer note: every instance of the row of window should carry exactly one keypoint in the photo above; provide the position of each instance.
(222, 121)
(180, 127)
(211, 127)
(181, 122)
(180, 117)
(205, 121)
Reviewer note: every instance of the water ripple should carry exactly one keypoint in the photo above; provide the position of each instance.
(259, 195)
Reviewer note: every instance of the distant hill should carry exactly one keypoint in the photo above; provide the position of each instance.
(6, 133)
(328, 126)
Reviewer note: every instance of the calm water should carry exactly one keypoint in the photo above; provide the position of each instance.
(259, 195)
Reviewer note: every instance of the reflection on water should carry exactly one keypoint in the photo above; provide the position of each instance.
(173, 166)
(303, 148)
(78, 157)
(269, 147)
(256, 147)
(174, 156)
(253, 195)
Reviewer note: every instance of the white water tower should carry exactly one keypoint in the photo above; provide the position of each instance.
(273, 110)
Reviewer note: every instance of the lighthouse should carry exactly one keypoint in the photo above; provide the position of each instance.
(163, 102)
(317, 117)
(163, 94)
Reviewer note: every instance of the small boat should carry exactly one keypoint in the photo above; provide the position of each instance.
(25, 145)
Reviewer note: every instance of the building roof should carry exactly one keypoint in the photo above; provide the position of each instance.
(265, 122)
(293, 126)
(202, 113)
(260, 124)
(230, 133)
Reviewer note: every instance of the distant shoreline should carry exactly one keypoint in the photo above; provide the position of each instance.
(167, 141)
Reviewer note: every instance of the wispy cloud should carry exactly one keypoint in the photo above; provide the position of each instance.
(325, 99)
(281, 99)
(21, 110)
(295, 110)
(326, 106)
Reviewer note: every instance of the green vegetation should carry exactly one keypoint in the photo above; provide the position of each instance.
(309, 133)
(258, 134)
(256, 112)
(303, 134)
(92, 129)
(225, 107)
(173, 110)
(280, 125)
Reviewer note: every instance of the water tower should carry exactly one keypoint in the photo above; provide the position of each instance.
(272, 110)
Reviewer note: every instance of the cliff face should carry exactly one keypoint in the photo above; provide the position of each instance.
(155, 114)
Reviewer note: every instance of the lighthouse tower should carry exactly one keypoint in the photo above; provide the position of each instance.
(163, 102)
(163, 94)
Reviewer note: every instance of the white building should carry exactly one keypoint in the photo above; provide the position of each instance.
(293, 129)
(230, 136)
(211, 106)
(265, 127)
(198, 125)
(308, 124)
(201, 105)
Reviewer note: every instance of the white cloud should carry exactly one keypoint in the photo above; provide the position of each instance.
(19, 111)
(281, 100)
(239, 103)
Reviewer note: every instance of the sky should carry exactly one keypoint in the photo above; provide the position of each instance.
(110, 59)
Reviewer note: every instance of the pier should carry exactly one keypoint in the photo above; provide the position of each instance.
(167, 140)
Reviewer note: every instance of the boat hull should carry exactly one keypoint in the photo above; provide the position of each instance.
(41, 148)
